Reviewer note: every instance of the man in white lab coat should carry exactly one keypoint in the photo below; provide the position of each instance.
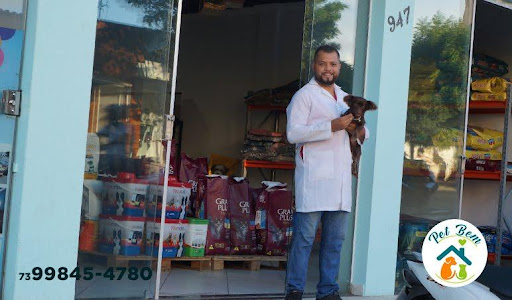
(323, 179)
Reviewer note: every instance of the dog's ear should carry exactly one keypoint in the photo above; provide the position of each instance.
(370, 105)
(349, 99)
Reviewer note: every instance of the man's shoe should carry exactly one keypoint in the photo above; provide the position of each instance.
(294, 295)
(333, 296)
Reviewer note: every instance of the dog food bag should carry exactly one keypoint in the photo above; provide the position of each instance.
(178, 199)
(241, 210)
(479, 138)
(189, 171)
(174, 237)
(120, 235)
(489, 96)
(195, 238)
(274, 219)
(490, 85)
(200, 197)
(217, 212)
(125, 195)
(489, 155)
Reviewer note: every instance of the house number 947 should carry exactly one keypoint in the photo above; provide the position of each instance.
(399, 21)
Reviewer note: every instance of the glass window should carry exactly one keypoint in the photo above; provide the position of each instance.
(436, 120)
(125, 155)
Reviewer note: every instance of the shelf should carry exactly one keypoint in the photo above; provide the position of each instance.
(269, 165)
(487, 107)
(492, 256)
(468, 174)
(266, 107)
(483, 175)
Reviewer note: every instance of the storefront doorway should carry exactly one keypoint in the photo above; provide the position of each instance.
(12, 32)
(224, 74)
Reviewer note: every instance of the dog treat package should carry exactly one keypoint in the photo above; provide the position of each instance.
(485, 139)
(489, 155)
(190, 170)
(216, 209)
(274, 219)
(483, 165)
(489, 96)
(241, 210)
(490, 85)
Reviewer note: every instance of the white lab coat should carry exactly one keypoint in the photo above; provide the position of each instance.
(323, 178)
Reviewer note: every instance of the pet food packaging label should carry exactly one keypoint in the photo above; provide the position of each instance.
(485, 139)
(173, 238)
(490, 85)
(489, 155)
(241, 210)
(125, 196)
(178, 200)
(488, 96)
(120, 235)
(92, 156)
(190, 170)
(217, 212)
(195, 238)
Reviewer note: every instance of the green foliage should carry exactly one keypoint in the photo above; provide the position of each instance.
(438, 80)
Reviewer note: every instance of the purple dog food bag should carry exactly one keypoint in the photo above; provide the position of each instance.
(241, 210)
(217, 212)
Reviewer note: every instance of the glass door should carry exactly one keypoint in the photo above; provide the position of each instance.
(12, 32)
(436, 121)
(126, 164)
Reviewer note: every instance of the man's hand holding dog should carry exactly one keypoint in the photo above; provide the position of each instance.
(341, 122)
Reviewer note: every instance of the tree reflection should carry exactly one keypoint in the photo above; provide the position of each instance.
(321, 27)
(437, 88)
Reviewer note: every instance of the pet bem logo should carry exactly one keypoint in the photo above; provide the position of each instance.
(454, 253)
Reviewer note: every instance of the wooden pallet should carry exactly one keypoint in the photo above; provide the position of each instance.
(249, 262)
(203, 263)
(111, 260)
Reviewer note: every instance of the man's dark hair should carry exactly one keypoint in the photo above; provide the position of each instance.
(326, 49)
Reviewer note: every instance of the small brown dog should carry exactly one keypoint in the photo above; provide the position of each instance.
(357, 107)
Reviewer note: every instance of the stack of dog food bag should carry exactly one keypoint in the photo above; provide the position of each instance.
(262, 144)
(484, 144)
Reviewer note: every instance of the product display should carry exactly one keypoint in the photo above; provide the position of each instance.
(216, 211)
(190, 171)
(241, 210)
(489, 233)
(483, 165)
(173, 238)
(195, 237)
(490, 85)
(274, 219)
(267, 145)
(485, 139)
(488, 96)
(489, 155)
(124, 195)
(485, 63)
(177, 202)
(120, 235)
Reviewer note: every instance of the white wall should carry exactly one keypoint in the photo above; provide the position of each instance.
(492, 37)
(224, 55)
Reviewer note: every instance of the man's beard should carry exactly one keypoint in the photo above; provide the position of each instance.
(319, 79)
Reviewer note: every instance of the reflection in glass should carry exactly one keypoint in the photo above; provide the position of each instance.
(435, 121)
(125, 155)
(330, 22)
(334, 23)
